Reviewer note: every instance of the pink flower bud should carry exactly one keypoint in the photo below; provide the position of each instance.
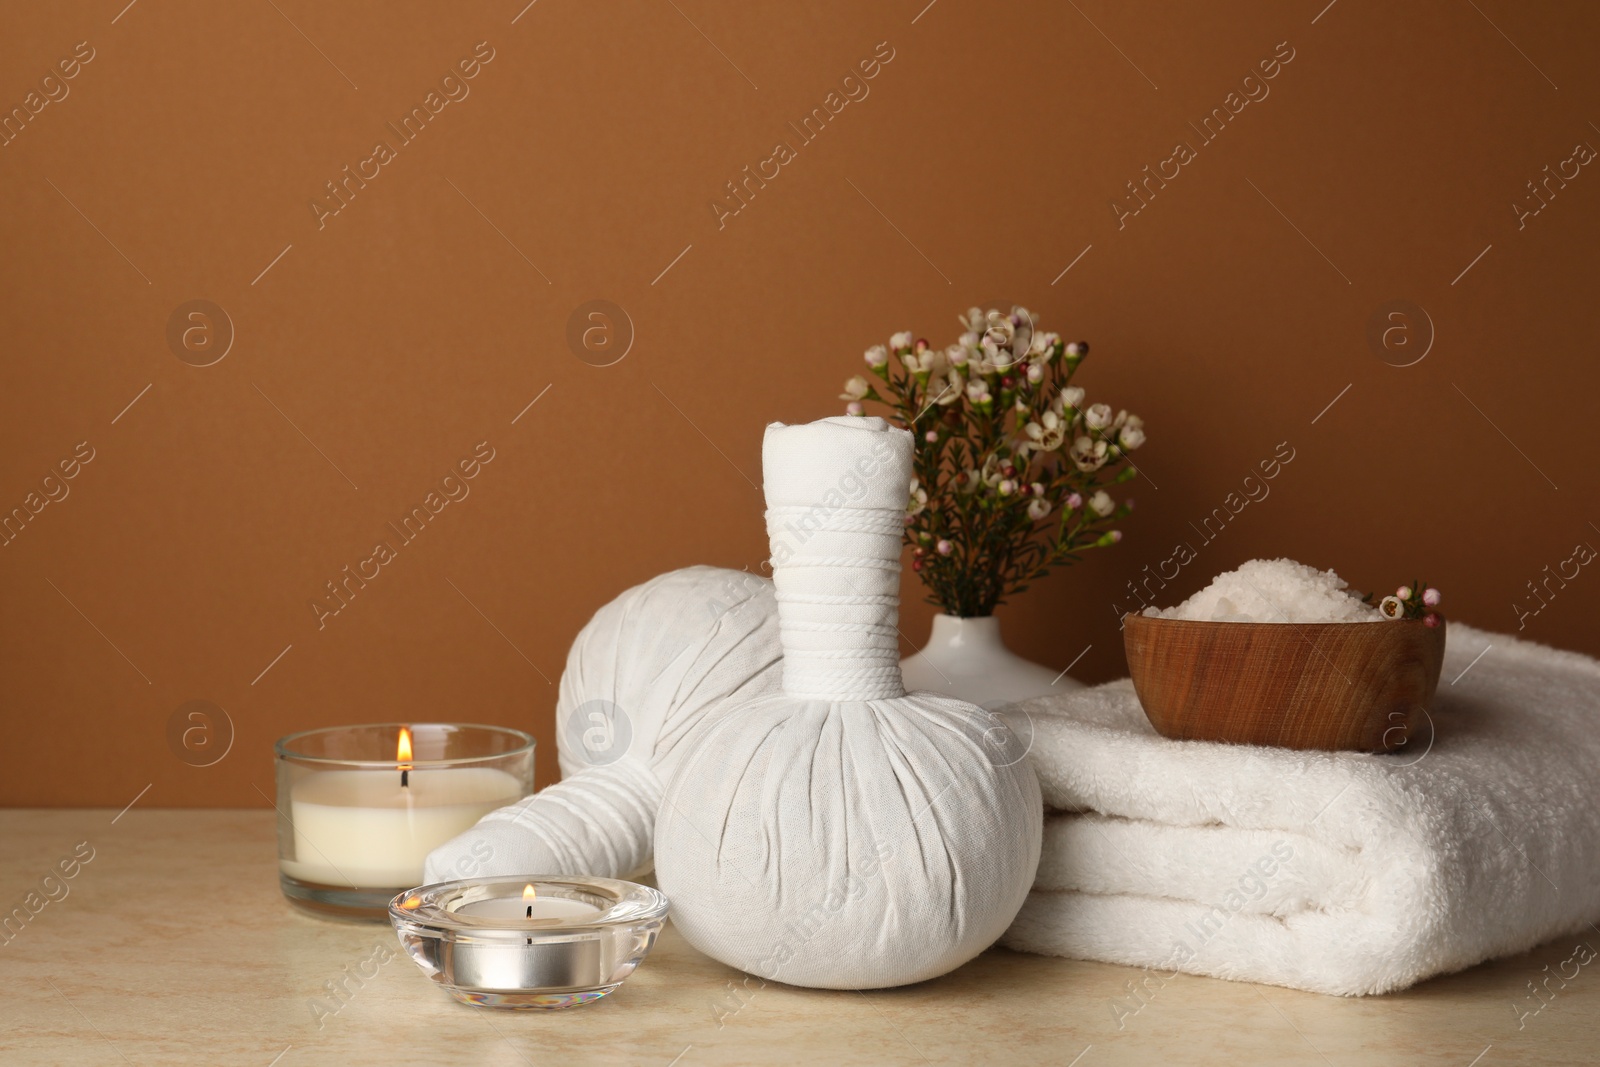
(945, 548)
(931, 436)
(1115, 535)
(1431, 597)
(853, 408)
(1404, 592)
(1430, 619)
(1073, 501)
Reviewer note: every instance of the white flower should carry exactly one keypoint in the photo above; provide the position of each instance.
(1038, 508)
(990, 474)
(1043, 344)
(930, 361)
(918, 499)
(903, 339)
(855, 389)
(1035, 373)
(1088, 454)
(978, 391)
(1101, 504)
(972, 320)
(1098, 417)
(957, 355)
(876, 356)
(1037, 488)
(1071, 397)
(854, 408)
(999, 329)
(952, 390)
(1391, 608)
(1131, 437)
(1048, 433)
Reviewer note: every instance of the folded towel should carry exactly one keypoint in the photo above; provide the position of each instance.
(1342, 872)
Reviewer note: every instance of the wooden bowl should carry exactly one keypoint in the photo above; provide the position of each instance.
(1361, 686)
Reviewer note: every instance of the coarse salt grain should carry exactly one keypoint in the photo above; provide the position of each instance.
(1273, 590)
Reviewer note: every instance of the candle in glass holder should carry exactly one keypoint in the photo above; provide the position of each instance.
(553, 942)
(355, 830)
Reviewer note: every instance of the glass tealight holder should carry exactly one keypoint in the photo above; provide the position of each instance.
(539, 943)
(360, 807)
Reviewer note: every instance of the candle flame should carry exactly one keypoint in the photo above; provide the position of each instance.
(402, 750)
(528, 892)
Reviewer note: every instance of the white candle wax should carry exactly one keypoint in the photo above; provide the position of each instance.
(517, 908)
(362, 828)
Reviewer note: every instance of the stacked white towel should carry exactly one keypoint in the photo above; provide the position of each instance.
(1333, 872)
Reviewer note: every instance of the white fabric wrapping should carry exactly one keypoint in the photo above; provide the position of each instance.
(1337, 873)
(843, 834)
(639, 677)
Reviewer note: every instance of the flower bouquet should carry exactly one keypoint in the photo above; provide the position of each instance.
(1013, 466)
(1013, 477)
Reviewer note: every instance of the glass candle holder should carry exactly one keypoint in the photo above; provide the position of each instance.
(548, 942)
(360, 807)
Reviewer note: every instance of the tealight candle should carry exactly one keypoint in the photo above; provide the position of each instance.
(528, 906)
(548, 943)
(354, 829)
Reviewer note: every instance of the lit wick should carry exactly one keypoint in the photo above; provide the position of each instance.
(402, 756)
(528, 894)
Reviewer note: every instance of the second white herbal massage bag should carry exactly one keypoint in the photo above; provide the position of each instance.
(639, 677)
(842, 833)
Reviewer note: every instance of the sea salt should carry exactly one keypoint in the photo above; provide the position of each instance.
(1273, 590)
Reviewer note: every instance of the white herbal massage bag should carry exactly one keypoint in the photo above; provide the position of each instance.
(639, 677)
(843, 833)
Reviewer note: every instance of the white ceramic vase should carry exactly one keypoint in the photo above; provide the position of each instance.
(966, 658)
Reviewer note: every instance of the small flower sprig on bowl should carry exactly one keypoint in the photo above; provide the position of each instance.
(1413, 601)
(1012, 464)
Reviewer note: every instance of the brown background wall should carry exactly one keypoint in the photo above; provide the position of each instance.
(372, 353)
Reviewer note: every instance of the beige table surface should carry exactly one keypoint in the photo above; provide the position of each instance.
(174, 946)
